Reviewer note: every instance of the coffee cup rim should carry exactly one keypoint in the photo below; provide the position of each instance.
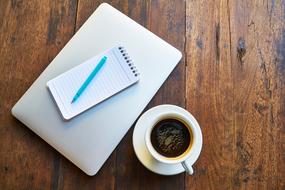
(190, 122)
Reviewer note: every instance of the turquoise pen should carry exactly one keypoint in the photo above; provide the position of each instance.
(89, 79)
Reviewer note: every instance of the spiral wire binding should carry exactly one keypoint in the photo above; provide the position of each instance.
(129, 61)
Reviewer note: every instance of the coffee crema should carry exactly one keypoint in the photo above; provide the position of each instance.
(170, 138)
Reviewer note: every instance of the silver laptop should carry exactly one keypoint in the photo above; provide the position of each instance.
(88, 139)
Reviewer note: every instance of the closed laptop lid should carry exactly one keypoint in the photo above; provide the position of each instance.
(88, 139)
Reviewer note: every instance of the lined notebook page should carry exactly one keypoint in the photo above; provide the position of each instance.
(117, 73)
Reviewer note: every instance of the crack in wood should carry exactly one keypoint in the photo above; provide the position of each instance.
(217, 42)
(241, 50)
(53, 23)
(16, 3)
(281, 56)
(199, 43)
(260, 108)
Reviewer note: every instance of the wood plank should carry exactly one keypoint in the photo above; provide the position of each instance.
(167, 20)
(209, 91)
(32, 33)
(257, 38)
(235, 88)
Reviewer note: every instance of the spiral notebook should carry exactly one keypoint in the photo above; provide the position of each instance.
(117, 74)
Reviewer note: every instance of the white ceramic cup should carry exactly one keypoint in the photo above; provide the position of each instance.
(192, 125)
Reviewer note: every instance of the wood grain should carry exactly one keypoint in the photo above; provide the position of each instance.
(209, 91)
(235, 88)
(256, 34)
(31, 34)
(231, 78)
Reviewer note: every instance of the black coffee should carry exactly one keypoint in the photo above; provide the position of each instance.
(170, 137)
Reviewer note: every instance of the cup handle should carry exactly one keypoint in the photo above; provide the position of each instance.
(187, 166)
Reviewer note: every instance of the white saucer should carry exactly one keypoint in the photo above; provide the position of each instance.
(140, 147)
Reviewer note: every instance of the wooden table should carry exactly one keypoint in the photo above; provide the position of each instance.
(231, 78)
